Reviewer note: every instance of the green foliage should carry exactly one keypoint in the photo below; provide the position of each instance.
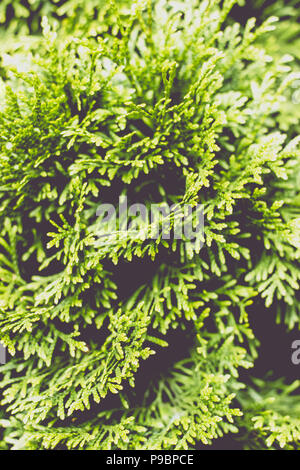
(157, 101)
(191, 404)
(272, 415)
(285, 46)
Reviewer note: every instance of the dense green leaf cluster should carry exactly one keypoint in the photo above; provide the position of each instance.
(158, 101)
